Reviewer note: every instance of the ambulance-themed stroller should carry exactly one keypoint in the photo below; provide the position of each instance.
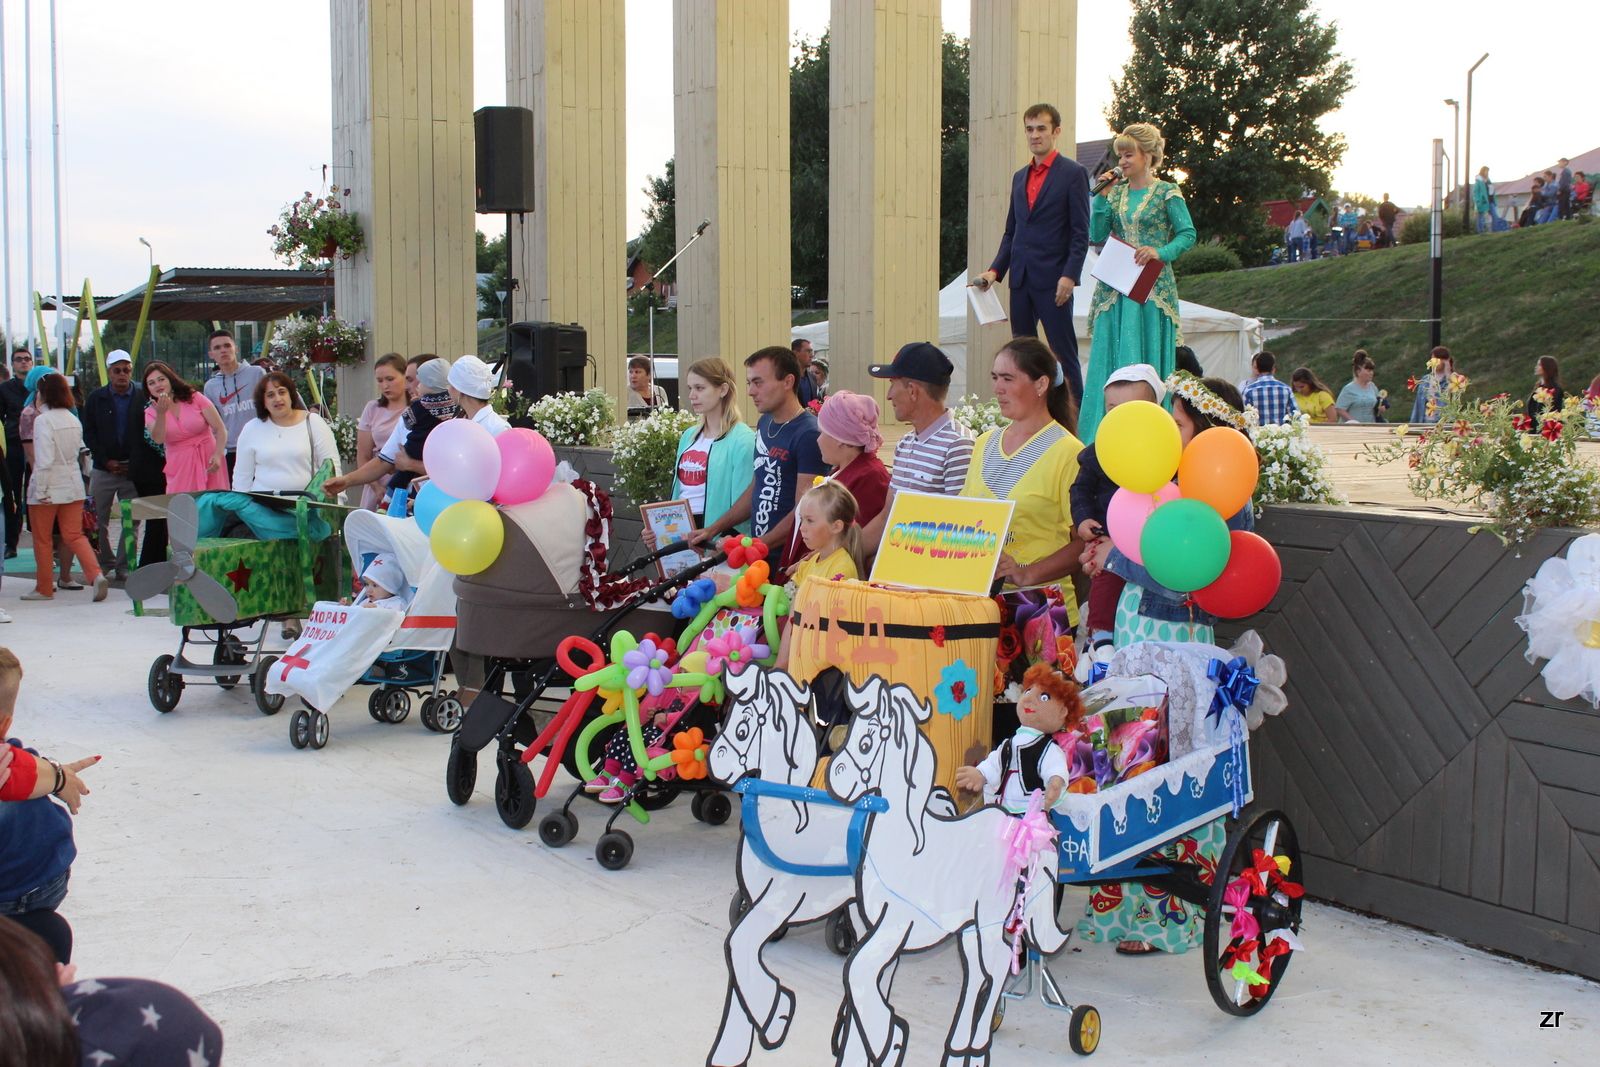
(400, 644)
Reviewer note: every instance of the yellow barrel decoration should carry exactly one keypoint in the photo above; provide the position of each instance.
(942, 645)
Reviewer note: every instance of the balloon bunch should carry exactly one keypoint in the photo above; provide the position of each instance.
(470, 470)
(1178, 532)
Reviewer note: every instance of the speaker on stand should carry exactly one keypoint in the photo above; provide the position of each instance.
(503, 159)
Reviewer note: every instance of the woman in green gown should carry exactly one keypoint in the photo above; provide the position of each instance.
(1149, 214)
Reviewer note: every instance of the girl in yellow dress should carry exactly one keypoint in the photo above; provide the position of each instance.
(826, 516)
(1310, 395)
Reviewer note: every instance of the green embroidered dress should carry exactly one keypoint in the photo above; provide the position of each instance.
(1121, 331)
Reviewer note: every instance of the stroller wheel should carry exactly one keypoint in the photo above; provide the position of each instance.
(266, 703)
(715, 809)
(557, 828)
(653, 796)
(229, 650)
(300, 728)
(396, 705)
(425, 713)
(164, 687)
(375, 704)
(841, 935)
(460, 774)
(513, 792)
(319, 729)
(448, 713)
(614, 850)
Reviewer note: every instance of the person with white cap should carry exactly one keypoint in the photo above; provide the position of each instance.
(113, 420)
(471, 383)
(1091, 497)
(432, 406)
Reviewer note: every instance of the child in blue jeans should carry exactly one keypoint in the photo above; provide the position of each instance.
(36, 849)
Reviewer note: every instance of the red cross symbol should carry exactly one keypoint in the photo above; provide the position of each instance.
(294, 659)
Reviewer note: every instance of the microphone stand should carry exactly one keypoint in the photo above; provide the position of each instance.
(698, 231)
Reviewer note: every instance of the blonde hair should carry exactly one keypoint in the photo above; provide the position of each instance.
(839, 505)
(1147, 139)
(716, 374)
(10, 683)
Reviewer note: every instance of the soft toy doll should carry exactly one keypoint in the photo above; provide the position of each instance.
(1031, 759)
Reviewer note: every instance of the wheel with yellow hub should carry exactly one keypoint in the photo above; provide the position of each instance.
(1084, 1035)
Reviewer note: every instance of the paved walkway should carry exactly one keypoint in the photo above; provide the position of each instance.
(332, 908)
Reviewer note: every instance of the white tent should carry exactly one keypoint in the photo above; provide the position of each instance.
(1222, 341)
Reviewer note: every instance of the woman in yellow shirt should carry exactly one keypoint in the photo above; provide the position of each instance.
(1311, 396)
(1031, 462)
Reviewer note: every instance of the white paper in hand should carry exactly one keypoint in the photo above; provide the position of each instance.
(985, 304)
(1116, 267)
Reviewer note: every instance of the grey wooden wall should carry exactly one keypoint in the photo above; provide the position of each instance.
(1432, 777)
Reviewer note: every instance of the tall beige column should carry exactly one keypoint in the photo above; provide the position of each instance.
(731, 136)
(883, 184)
(402, 145)
(564, 60)
(1023, 52)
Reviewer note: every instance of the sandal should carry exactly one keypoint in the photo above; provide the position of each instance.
(1136, 948)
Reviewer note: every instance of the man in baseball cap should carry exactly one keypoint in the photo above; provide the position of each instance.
(113, 420)
(934, 455)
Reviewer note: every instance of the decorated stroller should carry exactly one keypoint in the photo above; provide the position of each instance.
(400, 653)
(224, 592)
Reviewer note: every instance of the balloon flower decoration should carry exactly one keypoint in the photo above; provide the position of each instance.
(721, 637)
(1169, 513)
(471, 470)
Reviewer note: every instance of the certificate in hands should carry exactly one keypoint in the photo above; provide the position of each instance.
(1117, 269)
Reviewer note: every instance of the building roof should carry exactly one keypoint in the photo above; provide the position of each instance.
(1281, 212)
(1094, 156)
(218, 294)
(1588, 162)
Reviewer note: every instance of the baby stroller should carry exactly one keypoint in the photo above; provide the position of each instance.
(402, 653)
(514, 617)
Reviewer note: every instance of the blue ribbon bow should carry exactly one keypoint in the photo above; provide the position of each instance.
(1236, 685)
(1098, 671)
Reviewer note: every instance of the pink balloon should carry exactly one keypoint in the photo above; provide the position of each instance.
(527, 463)
(1127, 514)
(462, 459)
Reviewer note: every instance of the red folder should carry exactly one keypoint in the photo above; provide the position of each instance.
(1116, 268)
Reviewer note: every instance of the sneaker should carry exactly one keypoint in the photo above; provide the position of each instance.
(11, 553)
(68, 583)
(101, 588)
(614, 795)
(34, 594)
(598, 784)
(5, 616)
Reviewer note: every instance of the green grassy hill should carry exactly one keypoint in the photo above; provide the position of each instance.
(1509, 298)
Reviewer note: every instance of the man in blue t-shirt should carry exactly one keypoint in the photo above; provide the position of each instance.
(787, 456)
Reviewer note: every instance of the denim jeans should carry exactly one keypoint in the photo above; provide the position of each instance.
(1485, 222)
(47, 897)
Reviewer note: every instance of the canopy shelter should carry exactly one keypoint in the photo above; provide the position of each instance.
(216, 294)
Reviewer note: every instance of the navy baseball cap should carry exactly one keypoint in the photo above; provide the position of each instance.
(921, 361)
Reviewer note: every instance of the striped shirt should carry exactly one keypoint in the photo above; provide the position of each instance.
(935, 461)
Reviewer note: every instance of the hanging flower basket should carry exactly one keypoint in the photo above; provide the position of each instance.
(313, 230)
(302, 342)
(323, 352)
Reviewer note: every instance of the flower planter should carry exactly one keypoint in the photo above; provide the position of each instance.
(324, 354)
(594, 464)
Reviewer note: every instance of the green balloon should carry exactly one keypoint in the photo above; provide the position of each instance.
(1185, 545)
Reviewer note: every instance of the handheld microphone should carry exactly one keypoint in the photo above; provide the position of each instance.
(1101, 185)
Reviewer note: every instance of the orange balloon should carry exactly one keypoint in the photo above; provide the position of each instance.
(1219, 467)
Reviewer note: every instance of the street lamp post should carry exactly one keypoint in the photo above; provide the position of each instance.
(1455, 154)
(1466, 163)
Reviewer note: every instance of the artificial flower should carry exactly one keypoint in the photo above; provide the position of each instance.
(689, 753)
(647, 668)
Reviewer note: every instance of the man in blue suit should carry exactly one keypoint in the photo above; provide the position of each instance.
(1046, 238)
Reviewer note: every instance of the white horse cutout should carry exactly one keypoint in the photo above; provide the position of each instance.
(925, 877)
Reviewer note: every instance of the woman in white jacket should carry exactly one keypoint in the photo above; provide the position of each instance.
(55, 493)
(282, 448)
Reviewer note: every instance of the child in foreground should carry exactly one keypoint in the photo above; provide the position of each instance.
(826, 518)
(1091, 498)
(36, 846)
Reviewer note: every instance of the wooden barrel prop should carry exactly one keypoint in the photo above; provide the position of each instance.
(942, 645)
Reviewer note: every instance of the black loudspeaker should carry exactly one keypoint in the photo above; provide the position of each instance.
(503, 138)
(547, 357)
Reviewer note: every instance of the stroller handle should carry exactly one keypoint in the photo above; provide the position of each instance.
(602, 633)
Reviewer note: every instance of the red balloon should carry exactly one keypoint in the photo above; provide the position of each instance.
(1247, 583)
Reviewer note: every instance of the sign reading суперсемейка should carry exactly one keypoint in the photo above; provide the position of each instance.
(947, 543)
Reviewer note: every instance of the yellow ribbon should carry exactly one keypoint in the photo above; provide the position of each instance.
(1592, 634)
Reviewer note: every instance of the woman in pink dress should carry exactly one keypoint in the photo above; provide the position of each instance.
(186, 424)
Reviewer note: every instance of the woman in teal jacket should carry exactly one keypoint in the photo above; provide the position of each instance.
(716, 456)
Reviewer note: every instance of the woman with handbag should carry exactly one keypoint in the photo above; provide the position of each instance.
(281, 449)
(55, 492)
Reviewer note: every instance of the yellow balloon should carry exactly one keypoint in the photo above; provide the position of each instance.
(1138, 446)
(467, 537)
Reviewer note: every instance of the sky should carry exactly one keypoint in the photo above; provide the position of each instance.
(191, 123)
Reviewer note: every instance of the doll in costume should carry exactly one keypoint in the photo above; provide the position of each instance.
(1030, 759)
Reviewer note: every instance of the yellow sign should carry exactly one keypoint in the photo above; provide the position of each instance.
(947, 543)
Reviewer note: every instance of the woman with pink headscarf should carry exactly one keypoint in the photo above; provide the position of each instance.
(849, 441)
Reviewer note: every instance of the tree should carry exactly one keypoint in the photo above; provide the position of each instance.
(659, 238)
(1238, 88)
(808, 163)
(491, 260)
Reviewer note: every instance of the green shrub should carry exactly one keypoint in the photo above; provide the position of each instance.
(1206, 259)
(1418, 225)
(644, 452)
